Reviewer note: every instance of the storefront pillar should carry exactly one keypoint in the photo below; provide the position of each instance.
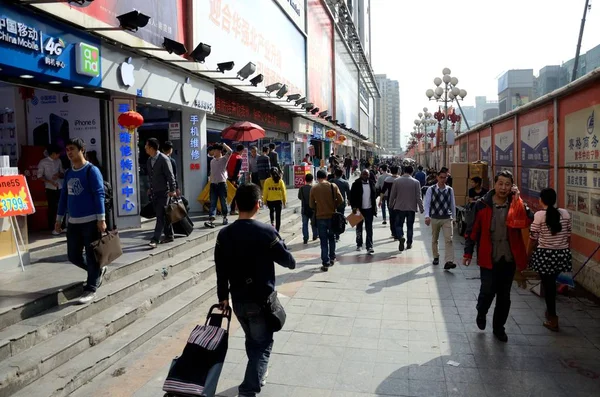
(194, 155)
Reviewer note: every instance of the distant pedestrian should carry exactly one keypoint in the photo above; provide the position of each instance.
(476, 191)
(275, 196)
(325, 197)
(440, 212)
(421, 176)
(234, 166)
(363, 200)
(245, 254)
(385, 197)
(405, 201)
(218, 183)
(253, 166)
(378, 187)
(51, 172)
(307, 212)
(344, 187)
(264, 166)
(348, 166)
(274, 157)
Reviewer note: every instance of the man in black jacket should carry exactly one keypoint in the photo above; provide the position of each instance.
(250, 279)
(362, 198)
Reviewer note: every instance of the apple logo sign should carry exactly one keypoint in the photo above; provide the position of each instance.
(65, 98)
(186, 91)
(126, 72)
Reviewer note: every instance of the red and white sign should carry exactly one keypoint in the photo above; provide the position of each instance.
(15, 198)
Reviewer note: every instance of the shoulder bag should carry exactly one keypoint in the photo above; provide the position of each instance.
(338, 221)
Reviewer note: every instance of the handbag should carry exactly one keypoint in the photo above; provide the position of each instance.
(108, 248)
(175, 210)
(275, 312)
(184, 226)
(338, 221)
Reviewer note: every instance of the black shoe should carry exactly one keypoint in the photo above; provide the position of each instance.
(501, 336)
(401, 244)
(315, 238)
(384, 223)
(305, 241)
(480, 322)
(436, 261)
(449, 265)
(332, 262)
(408, 246)
(167, 240)
(325, 267)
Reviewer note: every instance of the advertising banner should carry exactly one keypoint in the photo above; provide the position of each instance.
(15, 198)
(228, 106)
(504, 148)
(253, 31)
(295, 10)
(535, 159)
(473, 152)
(285, 153)
(54, 118)
(346, 91)
(582, 179)
(126, 153)
(320, 55)
(485, 148)
(166, 17)
(464, 144)
(52, 50)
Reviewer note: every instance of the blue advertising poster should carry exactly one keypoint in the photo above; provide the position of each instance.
(47, 50)
(285, 154)
(485, 148)
(318, 131)
(535, 159)
(504, 148)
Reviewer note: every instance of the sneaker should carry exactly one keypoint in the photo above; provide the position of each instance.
(225, 221)
(332, 262)
(153, 244)
(87, 297)
(102, 274)
(64, 230)
(359, 248)
(324, 268)
(263, 381)
(370, 251)
(408, 246)
(449, 265)
(501, 336)
(55, 233)
(401, 244)
(209, 224)
(167, 240)
(436, 261)
(305, 241)
(481, 322)
(384, 223)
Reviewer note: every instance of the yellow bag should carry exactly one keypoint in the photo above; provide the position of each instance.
(204, 196)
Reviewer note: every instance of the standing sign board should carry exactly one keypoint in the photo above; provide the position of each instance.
(15, 200)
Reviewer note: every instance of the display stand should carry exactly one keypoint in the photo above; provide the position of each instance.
(16, 231)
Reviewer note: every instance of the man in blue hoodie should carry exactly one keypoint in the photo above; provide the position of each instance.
(83, 199)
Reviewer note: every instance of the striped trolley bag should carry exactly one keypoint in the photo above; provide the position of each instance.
(196, 372)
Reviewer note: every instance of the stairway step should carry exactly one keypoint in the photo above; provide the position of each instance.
(65, 379)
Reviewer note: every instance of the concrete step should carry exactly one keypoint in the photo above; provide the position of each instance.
(86, 329)
(43, 299)
(26, 334)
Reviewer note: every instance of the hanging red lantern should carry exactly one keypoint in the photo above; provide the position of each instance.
(342, 138)
(330, 134)
(130, 120)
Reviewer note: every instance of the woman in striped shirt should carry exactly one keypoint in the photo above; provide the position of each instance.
(550, 236)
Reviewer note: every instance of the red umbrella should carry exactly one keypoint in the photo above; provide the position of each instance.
(243, 131)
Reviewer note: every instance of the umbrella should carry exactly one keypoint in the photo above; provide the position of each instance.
(243, 131)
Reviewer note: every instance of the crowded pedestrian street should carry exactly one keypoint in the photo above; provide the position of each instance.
(390, 324)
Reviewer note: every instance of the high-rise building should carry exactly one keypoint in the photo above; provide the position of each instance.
(387, 114)
(515, 88)
(484, 109)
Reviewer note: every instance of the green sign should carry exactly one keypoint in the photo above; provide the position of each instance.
(88, 60)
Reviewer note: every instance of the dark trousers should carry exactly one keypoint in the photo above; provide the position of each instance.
(399, 218)
(254, 178)
(341, 209)
(236, 184)
(348, 172)
(52, 196)
(275, 213)
(384, 207)
(392, 221)
(496, 282)
(549, 285)
(259, 343)
(159, 202)
(80, 236)
(327, 240)
(367, 223)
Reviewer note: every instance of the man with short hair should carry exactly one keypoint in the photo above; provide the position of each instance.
(218, 183)
(385, 193)
(167, 149)
(348, 166)
(476, 191)
(253, 166)
(363, 199)
(51, 172)
(405, 201)
(440, 212)
(378, 187)
(250, 278)
(307, 212)
(274, 157)
(234, 166)
(421, 176)
(83, 199)
(344, 187)
(263, 162)
(325, 197)
(162, 185)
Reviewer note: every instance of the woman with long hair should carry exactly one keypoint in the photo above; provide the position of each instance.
(550, 236)
(275, 195)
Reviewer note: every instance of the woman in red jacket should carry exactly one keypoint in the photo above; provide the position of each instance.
(500, 251)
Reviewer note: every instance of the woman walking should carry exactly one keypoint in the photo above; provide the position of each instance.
(275, 195)
(550, 235)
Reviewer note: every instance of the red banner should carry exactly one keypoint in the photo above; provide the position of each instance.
(15, 198)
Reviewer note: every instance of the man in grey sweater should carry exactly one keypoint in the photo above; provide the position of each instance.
(405, 200)
(162, 185)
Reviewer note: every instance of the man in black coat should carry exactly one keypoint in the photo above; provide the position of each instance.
(362, 198)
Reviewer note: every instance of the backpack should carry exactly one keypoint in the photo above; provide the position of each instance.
(338, 221)
(108, 190)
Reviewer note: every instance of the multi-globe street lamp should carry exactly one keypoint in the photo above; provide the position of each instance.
(424, 121)
(446, 91)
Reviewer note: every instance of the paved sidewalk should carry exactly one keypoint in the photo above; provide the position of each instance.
(392, 325)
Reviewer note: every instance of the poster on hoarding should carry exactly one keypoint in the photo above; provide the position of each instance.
(504, 148)
(582, 178)
(463, 151)
(535, 149)
(485, 148)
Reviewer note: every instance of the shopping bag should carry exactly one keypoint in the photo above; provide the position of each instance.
(108, 248)
(175, 210)
(517, 216)
(354, 219)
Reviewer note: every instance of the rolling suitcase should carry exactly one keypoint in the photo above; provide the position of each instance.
(196, 372)
(184, 226)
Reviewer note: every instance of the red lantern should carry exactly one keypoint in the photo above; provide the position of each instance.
(330, 134)
(342, 138)
(130, 120)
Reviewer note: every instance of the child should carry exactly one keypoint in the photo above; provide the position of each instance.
(275, 195)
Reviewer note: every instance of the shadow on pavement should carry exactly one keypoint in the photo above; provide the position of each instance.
(399, 279)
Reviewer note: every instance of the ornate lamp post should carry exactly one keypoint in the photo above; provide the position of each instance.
(446, 93)
(421, 125)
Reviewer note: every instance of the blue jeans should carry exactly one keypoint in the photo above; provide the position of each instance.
(80, 236)
(259, 343)
(400, 216)
(305, 220)
(327, 239)
(218, 191)
(384, 204)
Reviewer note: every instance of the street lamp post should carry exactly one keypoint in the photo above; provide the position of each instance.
(421, 124)
(448, 93)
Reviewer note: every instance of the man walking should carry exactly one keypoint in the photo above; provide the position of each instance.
(363, 199)
(51, 172)
(348, 166)
(234, 166)
(378, 188)
(167, 149)
(325, 197)
(385, 193)
(274, 157)
(500, 252)
(264, 166)
(83, 199)
(162, 185)
(218, 183)
(405, 201)
(253, 166)
(344, 187)
(307, 212)
(421, 176)
(440, 211)
(251, 280)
